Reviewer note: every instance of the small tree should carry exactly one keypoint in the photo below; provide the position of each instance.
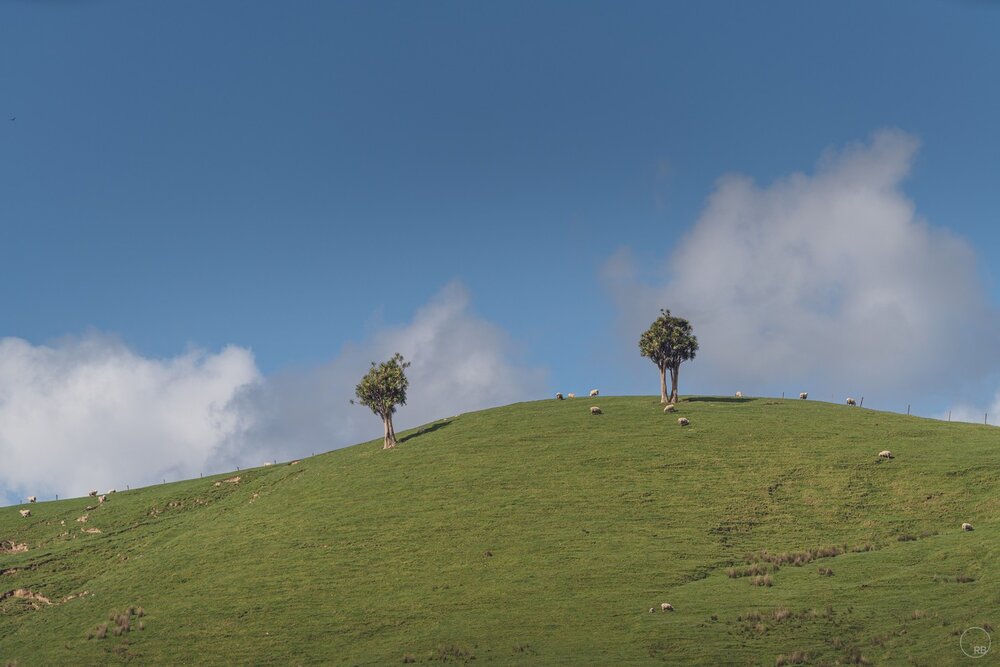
(668, 343)
(382, 389)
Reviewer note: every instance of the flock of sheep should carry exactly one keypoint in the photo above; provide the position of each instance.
(684, 421)
(101, 499)
(594, 410)
(593, 392)
(884, 454)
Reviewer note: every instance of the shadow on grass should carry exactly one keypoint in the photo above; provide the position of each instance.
(716, 399)
(427, 429)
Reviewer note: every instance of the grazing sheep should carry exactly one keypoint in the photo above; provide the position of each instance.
(804, 395)
(851, 401)
(101, 499)
(32, 499)
(571, 395)
(92, 493)
(25, 513)
(683, 421)
(595, 410)
(593, 392)
(885, 454)
(739, 394)
(559, 397)
(110, 491)
(669, 407)
(967, 526)
(652, 609)
(267, 463)
(666, 606)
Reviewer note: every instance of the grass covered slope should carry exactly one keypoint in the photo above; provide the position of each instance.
(539, 534)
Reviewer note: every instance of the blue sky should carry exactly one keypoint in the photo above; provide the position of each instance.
(293, 179)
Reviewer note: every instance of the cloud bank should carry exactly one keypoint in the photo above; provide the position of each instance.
(828, 282)
(90, 413)
(460, 362)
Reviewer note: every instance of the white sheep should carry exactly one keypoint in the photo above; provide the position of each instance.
(967, 526)
(571, 395)
(666, 606)
(669, 407)
(559, 397)
(594, 392)
(683, 421)
(594, 410)
(268, 463)
(102, 498)
(885, 454)
(804, 395)
(851, 401)
(92, 493)
(32, 499)
(25, 513)
(110, 491)
(739, 394)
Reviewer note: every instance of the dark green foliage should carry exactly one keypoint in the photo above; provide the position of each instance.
(669, 342)
(382, 389)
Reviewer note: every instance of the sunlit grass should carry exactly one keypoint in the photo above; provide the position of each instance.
(538, 534)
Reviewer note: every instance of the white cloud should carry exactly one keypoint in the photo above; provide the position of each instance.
(89, 413)
(460, 362)
(975, 414)
(826, 281)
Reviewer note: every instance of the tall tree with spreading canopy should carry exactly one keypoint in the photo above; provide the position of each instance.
(382, 389)
(668, 343)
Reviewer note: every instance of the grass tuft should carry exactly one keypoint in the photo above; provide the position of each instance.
(447, 652)
(796, 658)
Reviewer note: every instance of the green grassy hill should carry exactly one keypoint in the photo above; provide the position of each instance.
(537, 534)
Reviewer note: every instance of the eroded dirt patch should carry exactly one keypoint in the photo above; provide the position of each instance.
(25, 594)
(11, 547)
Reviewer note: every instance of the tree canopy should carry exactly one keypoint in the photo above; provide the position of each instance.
(382, 389)
(669, 342)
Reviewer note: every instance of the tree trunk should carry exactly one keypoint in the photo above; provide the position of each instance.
(663, 384)
(390, 433)
(674, 372)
